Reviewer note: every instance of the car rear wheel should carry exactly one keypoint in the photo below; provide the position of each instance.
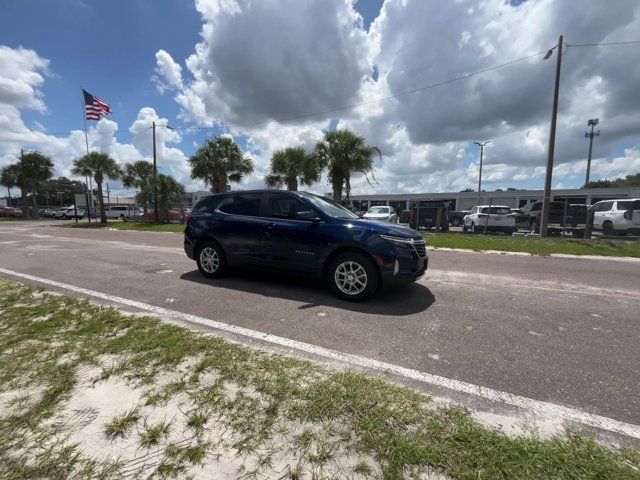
(455, 222)
(211, 260)
(353, 276)
(534, 227)
(607, 228)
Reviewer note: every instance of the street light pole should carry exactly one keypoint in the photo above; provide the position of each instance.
(591, 123)
(481, 145)
(155, 177)
(546, 200)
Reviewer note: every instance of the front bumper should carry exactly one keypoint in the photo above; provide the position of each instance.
(406, 266)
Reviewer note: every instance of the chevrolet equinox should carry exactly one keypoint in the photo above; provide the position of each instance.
(302, 233)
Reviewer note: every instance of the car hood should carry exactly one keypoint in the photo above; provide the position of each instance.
(384, 228)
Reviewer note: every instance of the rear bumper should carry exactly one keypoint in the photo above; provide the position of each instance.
(189, 248)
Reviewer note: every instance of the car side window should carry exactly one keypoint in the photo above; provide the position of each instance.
(606, 206)
(206, 205)
(246, 204)
(286, 206)
(536, 207)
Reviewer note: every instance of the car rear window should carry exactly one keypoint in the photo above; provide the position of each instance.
(629, 205)
(247, 204)
(209, 204)
(496, 210)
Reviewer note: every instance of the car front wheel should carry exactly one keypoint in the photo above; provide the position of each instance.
(353, 276)
(211, 260)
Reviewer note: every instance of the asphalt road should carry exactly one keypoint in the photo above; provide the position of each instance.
(560, 330)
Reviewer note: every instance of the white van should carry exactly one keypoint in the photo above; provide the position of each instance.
(617, 217)
(120, 211)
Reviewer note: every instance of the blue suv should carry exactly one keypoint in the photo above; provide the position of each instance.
(302, 233)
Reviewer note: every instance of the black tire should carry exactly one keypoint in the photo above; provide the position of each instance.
(347, 262)
(64, 217)
(455, 222)
(535, 228)
(205, 259)
(464, 228)
(607, 228)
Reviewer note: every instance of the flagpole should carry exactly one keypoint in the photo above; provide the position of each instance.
(86, 141)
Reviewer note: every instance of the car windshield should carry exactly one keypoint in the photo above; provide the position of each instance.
(378, 210)
(329, 207)
(496, 210)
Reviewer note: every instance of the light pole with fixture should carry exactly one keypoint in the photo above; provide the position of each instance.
(481, 145)
(593, 122)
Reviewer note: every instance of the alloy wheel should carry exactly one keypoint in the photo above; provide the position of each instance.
(209, 259)
(350, 278)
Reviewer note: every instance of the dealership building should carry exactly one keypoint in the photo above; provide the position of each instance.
(512, 198)
(464, 200)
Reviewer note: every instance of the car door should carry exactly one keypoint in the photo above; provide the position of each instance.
(602, 214)
(241, 228)
(292, 243)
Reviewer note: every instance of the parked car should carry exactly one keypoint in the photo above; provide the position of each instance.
(121, 211)
(382, 214)
(405, 216)
(425, 215)
(174, 216)
(522, 219)
(573, 219)
(305, 234)
(616, 217)
(10, 212)
(455, 218)
(490, 218)
(46, 212)
(68, 212)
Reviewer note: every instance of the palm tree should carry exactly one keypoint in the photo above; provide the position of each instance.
(169, 191)
(36, 169)
(292, 166)
(139, 175)
(220, 161)
(99, 165)
(10, 177)
(344, 152)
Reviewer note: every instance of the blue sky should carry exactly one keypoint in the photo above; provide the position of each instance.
(109, 48)
(274, 59)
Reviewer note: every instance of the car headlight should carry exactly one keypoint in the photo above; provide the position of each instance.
(400, 240)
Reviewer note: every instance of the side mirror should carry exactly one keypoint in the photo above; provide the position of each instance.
(307, 215)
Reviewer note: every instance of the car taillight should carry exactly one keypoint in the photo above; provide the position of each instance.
(628, 215)
(187, 218)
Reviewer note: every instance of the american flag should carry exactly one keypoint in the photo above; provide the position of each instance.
(95, 108)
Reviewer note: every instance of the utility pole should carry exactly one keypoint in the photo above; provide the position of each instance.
(591, 123)
(546, 200)
(155, 176)
(481, 145)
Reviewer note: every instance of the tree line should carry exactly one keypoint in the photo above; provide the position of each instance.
(219, 161)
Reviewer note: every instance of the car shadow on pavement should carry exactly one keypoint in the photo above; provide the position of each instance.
(405, 300)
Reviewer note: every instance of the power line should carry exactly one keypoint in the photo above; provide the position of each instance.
(356, 105)
(634, 42)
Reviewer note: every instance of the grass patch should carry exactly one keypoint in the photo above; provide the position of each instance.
(145, 227)
(242, 399)
(536, 245)
(120, 425)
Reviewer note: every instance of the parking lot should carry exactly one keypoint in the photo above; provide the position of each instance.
(558, 330)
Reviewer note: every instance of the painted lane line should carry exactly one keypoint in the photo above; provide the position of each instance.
(610, 258)
(535, 408)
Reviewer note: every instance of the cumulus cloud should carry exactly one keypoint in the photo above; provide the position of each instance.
(168, 73)
(274, 59)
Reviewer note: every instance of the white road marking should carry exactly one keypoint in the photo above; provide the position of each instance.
(527, 254)
(535, 408)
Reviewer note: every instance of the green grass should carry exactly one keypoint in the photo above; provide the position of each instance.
(145, 227)
(536, 245)
(120, 425)
(253, 396)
